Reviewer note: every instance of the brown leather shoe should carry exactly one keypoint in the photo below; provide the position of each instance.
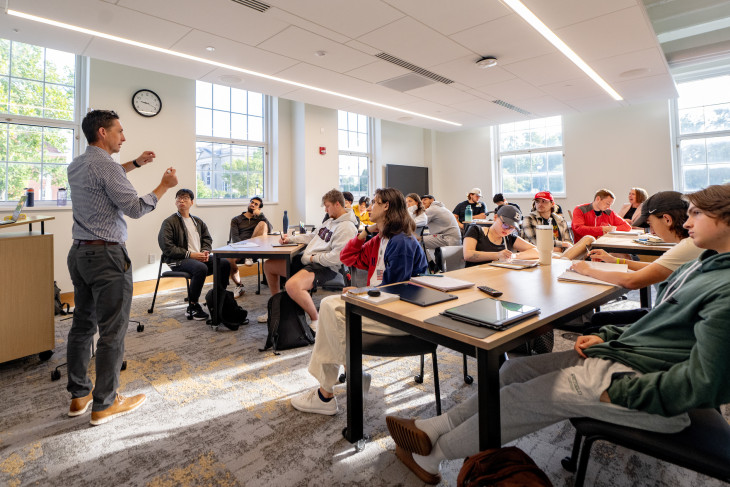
(407, 436)
(407, 458)
(79, 405)
(122, 405)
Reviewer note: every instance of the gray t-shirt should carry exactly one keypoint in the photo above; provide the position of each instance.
(441, 221)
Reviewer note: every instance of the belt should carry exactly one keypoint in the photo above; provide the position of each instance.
(94, 242)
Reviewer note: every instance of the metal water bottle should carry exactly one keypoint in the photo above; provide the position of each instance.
(30, 200)
(286, 224)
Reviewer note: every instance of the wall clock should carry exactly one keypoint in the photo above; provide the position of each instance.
(147, 103)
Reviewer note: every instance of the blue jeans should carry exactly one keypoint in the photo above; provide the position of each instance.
(199, 271)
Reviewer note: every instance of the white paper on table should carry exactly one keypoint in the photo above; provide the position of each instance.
(573, 276)
(244, 243)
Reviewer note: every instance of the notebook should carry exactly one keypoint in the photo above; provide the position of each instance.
(442, 283)
(573, 276)
(652, 240)
(362, 293)
(16, 212)
(491, 313)
(514, 263)
(422, 296)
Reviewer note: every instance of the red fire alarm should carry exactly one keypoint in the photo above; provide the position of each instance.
(322, 151)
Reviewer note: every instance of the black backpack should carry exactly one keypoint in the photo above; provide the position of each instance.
(58, 306)
(231, 314)
(287, 324)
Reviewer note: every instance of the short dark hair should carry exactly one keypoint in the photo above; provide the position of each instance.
(96, 119)
(679, 218)
(348, 196)
(364, 199)
(261, 202)
(186, 191)
(334, 196)
(499, 197)
(603, 194)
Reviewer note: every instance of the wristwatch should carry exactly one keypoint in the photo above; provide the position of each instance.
(367, 230)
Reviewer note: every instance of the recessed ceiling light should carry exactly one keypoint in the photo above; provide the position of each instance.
(634, 73)
(405, 119)
(229, 78)
(210, 48)
(320, 53)
(486, 62)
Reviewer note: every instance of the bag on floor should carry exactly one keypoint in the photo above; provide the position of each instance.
(58, 306)
(287, 324)
(231, 314)
(502, 467)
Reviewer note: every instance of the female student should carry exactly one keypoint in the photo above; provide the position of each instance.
(416, 209)
(499, 241)
(632, 210)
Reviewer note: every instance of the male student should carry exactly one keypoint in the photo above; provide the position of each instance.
(499, 200)
(249, 224)
(186, 244)
(477, 207)
(100, 267)
(443, 228)
(349, 199)
(646, 376)
(320, 260)
(596, 218)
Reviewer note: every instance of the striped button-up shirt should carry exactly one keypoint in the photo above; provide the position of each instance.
(102, 195)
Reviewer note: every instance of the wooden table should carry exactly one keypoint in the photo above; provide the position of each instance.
(626, 245)
(537, 286)
(30, 221)
(264, 250)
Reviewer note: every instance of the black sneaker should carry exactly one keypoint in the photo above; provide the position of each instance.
(197, 312)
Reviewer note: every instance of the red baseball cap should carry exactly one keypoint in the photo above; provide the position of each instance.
(544, 195)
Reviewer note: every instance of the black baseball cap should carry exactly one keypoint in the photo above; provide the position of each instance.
(660, 203)
(510, 215)
(430, 196)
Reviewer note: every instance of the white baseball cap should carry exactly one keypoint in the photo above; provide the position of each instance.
(476, 191)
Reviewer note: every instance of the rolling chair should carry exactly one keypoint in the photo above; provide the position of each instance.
(170, 273)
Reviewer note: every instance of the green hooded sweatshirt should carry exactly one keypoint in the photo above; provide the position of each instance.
(682, 347)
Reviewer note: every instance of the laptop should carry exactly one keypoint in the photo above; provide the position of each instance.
(491, 313)
(16, 213)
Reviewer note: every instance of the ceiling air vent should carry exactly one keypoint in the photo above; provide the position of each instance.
(254, 4)
(510, 106)
(412, 67)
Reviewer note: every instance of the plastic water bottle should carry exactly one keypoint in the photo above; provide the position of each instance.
(468, 214)
(61, 197)
(286, 223)
(30, 200)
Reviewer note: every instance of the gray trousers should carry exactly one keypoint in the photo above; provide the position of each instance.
(102, 278)
(541, 390)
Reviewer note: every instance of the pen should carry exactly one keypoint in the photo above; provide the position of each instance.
(429, 275)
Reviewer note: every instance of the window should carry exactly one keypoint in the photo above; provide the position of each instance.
(231, 143)
(38, 99)
(530, 157)
(354, 149)
(703, 133)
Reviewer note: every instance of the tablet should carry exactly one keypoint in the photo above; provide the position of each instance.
(422, 296)
(491, 313)
(514, 263)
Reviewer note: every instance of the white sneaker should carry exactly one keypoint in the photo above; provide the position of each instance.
(263, 318)
(309, 402)
(248, 262)
(238, 291)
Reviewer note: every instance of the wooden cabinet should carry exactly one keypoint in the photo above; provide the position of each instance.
(26, 294)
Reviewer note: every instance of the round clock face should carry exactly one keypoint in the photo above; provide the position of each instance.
(146, 103)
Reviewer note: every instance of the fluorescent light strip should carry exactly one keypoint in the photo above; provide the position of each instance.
(537, 24)
(130, 42)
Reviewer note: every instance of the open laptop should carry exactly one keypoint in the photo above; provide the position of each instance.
(16, 213)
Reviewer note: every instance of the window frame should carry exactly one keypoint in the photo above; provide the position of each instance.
(370, 146)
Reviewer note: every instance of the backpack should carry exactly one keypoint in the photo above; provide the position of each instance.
(287, 324)
(231, 314)
(57, 304)
(502, 467)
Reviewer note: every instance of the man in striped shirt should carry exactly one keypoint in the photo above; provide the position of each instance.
(100, 267)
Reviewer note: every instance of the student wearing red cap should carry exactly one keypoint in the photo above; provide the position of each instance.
(543, 213)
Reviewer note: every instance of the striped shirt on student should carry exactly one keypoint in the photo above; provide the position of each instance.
(101, 196)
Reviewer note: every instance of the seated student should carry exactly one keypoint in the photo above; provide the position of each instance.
(666, 213)
(632, 210)
(186, 244)
(361, 210)
(443, 229)
(249, 224)
(543, 213)
(645, 376)
(320, 261)
(499, 241)
(499, 200)
(597, 219)
(348, 204)
(416, 209)
(478, 210)
(392, 255)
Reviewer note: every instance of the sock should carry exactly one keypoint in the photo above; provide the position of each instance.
(435, 427)
(324, 399)
(313, 325)
(431, 462)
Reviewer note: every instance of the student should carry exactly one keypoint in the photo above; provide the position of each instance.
(499, 241)
(666, 213)
(646, 376)
(543, 213)
(499, 200)
(349, 199)
(186, 244)
(416, 209)
(478, 210)
(392, 255)
(361, 210)
(320, 261)
(443, 229)
(632, 210)
(597, 219)
(249, 224)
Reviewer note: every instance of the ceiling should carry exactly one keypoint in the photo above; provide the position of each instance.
(338, 45)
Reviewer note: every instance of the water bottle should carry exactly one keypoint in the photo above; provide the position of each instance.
(468, 214)
(286, 223)
(30, 200)
(61, 197)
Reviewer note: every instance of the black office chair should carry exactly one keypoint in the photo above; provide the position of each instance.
(171, 273)
(342, 280)
(704, 446)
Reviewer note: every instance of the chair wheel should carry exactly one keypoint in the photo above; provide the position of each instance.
(342, 378)
(418, 379)
(149, 311)
(468, 379)
(140, 328)
(55, 375)
(257, 293)
(568, 464)
(190, 317)
(45, 355)
(124, 365)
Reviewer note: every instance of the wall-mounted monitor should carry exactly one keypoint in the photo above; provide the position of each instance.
(408, 179)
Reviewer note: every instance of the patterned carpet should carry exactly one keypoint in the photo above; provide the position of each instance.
(218, 413)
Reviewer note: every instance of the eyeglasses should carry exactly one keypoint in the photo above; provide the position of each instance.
(507, 227)
(183, 198)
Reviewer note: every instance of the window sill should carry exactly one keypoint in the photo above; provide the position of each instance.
(38, 207)
(229, 202)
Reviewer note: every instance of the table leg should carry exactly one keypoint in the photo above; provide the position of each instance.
(490, 434)
(215, 319)
(30, 227)
(43, 228)
(288, 266)
(354, 375)
(645, 296)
